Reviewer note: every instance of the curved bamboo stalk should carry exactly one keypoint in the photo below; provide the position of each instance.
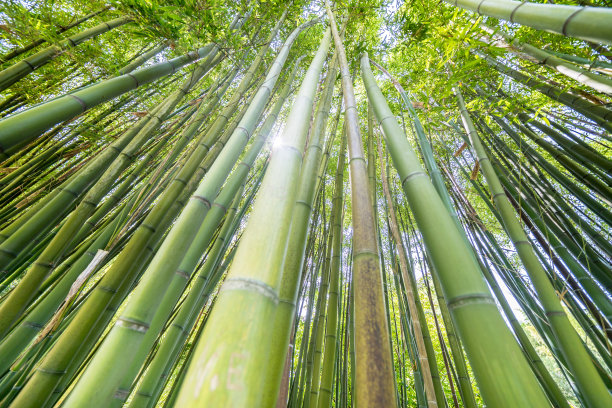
(587, 23)
(19, 70)
(18, 130)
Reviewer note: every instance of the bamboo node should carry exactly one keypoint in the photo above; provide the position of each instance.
(121, 394)
(470, 299)
(251, 285)
(130, 324)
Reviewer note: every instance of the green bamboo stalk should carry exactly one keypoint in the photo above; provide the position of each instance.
(141, 59)
(600, 210)
(254, 274)
(470, 302)
(19, 70)
(18, 51)
(18, 130)
(597, 82)
(474, 223)
(587, 23)
(597, 113)
(585, 374)
(582, 153)
(118, 279)
(23, 293)
(150, 387)
(296, 245)
(591, 181)
(315, 350)
(37, 317)
(582, 61)
(322, 395)
(561, 214)
(375, 384)
(424, 361)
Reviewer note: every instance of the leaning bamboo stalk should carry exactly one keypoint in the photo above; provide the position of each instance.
(18, 130)
(585, 374)
(597, 113)
(597, 82)
(324, 390)
(141, 59)
(23, 293)
(587, 23)
(149, 388)
(591, 181)
(465, 386)
(296, 245)
(118, 279)
(19, 70)
(375, 385)
(18, 51)
(486, 338)
(594, 205)
(82, 333)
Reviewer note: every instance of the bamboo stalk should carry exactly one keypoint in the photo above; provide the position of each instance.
(587, 23)
(375, 385)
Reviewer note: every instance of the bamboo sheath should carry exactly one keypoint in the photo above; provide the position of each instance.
(587, 23)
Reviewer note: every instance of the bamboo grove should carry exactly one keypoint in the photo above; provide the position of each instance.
(306, 204)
